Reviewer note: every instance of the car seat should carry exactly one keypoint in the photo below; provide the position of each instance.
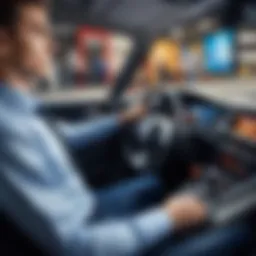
(13, 241)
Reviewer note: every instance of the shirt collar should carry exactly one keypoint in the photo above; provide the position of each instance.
(18, 98)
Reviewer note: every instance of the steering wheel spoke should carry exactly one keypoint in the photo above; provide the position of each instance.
(147, 143)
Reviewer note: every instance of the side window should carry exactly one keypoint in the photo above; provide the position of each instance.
(88, 57)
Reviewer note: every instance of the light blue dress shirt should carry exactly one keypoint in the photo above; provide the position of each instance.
(42, 192)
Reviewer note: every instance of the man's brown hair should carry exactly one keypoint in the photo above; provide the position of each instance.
(9, 10)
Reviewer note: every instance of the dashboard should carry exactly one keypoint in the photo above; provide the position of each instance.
(226, 179)
(218, 118)
(203, 113)
(231, 135)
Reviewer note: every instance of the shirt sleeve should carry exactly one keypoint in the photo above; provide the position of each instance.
(54, 216)
(85, 133)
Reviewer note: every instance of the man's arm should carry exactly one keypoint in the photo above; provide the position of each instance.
(54, 208)
(59, 233)
(84, 134)
(56, 217)
(59, 221)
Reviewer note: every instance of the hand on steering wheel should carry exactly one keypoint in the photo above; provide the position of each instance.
(133, 114)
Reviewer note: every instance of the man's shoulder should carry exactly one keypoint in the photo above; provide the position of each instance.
(15, 132)
(15, 120)
(6, 114)
(9, 118)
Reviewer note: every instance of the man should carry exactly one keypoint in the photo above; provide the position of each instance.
(40, 189)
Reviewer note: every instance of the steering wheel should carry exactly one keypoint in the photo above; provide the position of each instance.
(147, 143)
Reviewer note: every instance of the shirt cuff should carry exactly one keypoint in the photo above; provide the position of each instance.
(153, 226)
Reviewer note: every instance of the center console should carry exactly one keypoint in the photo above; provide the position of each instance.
(229, 196)
(227, 180)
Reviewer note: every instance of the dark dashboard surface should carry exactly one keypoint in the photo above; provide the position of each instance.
(228, 175)
(230, 132)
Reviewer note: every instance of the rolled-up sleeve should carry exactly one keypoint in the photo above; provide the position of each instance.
(127, 237)
(85, 133)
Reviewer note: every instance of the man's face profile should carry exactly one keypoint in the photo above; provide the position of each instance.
(28, 45)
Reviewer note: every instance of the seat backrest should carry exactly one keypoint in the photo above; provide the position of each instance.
(13, 241)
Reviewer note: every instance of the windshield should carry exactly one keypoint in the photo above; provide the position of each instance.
(90, 57)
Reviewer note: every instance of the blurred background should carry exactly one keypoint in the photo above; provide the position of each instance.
(89, 56)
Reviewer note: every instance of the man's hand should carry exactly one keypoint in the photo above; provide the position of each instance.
(133, 114)
(186, 211)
